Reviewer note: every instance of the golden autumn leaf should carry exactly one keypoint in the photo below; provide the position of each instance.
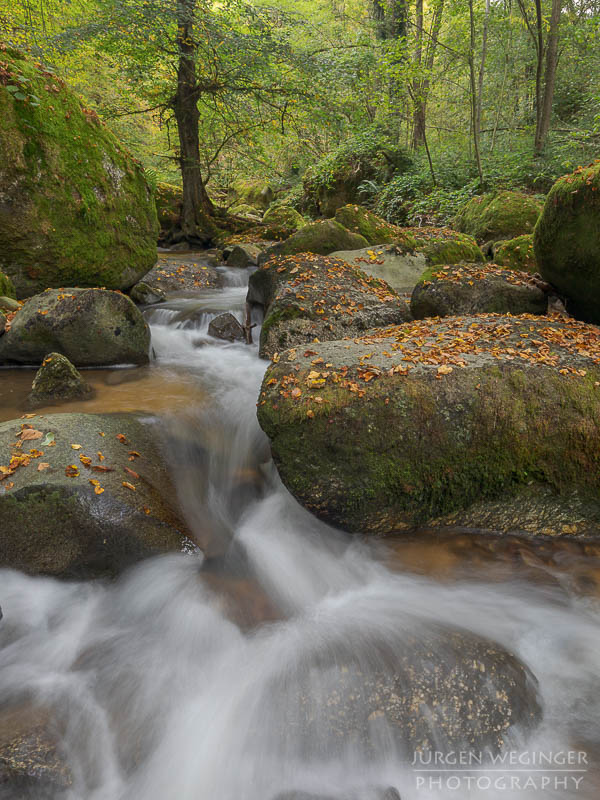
(128, 485)
(71, 471)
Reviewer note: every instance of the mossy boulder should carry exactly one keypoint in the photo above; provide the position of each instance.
(490, 422)
(67, 506)
(7, 288)
(57, 379)
(75, 207)
(244, 255)
(499, 215)
(567, 240)
(517, 253)
(444, 246)
(9, 304)
(244, 210)
(360, 220)
(284, 217)
(476, 289)
(310, 297)
(169, 205)
(254, 192)
(177, 274)
(91, 327)
(419, 686)
(321, 237)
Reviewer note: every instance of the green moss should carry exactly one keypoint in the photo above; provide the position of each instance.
(169, 203)
(360, 220)
(322, 238)
(499, 215)
(284, 217)
(7, 288)
(253, 192)
(79, 210)
(567, 241)
(517, 254)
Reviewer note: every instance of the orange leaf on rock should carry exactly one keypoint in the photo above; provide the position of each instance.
(101, 468)
(28, 434)
(122, 438)
(131, 472)
(42, 466)
(128, 485)
(71, 471)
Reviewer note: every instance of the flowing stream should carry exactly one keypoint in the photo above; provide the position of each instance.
(178, 681)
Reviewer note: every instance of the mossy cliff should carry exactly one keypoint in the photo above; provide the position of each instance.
(447, 415)
(75, 208)
(567, 240)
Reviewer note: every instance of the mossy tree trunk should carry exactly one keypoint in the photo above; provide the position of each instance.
(196, 221)
(544, 114)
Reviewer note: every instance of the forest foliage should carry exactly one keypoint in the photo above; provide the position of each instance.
(458, 95)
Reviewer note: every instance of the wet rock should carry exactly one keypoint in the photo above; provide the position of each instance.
(56, 380)
(31, 764)
(489, 421)
(146, 295)
(434, 688)
(71, 511)
(567, 241)
(226, 327)
(79, 212)
(8, 304)
(91, 327)
(244, 255)
(310, 297)
(321, 237)
(516, 254)
(499, 215)
(187, 274)
(476, 289)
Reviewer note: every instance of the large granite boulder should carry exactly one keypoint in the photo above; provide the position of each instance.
(321, 237)
(466, 289)
(489, 422)
(83, 495)
(91, 327)
(309, 297)
(75, 207)
(567, 241)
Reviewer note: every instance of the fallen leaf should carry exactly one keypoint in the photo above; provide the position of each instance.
(75, 447)
(133, 454)
(42, 466)
(100, 456)
(129, 486)
(85, 461)
(71, 471)
(30, 433)
(122, 438)
(131, 472)
(101, 468)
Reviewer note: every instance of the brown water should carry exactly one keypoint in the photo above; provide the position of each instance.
(146, 389)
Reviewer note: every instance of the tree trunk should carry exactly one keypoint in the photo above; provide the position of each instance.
(196, 223)
(422, 87)
(545, 113)
(474, 100)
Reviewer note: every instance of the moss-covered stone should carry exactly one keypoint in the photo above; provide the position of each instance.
(499, 215)
(8, 304)
(321, 237)
(244, 210)
(254, 192)
(284, 217)
(360, 220)
(444, 246)
(308, 297)
(476, 289)
(517, 254)
(567, 240)
(7, 288)
(169, 205)
(75, 208)
(57, 520)
(442, 418)
(91, 327)
(57, 379)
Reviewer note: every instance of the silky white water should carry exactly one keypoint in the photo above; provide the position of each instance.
(160, 694)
